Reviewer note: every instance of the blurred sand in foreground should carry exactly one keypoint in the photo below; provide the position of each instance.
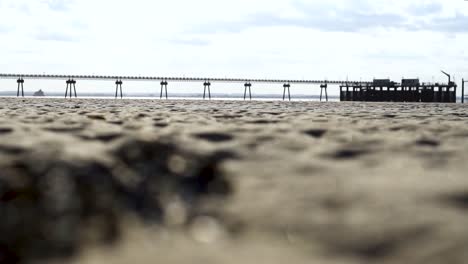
(149, 181)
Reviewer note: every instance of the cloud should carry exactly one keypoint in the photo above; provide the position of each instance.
(356, 17)
(54, 36)
(457, 24)
(424, 9)
(59, 5)
(341, 22)
(190, 41)
(3, 29)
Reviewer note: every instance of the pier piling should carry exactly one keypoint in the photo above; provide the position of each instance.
(72, 84)
(324, 87)
(20, 82)
(74, 88)
(207, 85)
(164, 84)
(248, 86)
(118, 84)
(463, 91)
(287, 86)
(66, 90)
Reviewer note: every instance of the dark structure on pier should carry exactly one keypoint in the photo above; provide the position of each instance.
(409, 90)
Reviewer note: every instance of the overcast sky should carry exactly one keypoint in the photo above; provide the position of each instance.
(293, 39)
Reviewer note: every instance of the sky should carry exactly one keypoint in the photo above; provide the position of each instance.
(280, 39)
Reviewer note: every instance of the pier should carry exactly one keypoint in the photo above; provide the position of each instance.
(408, 90)
(71, 81)
(379, 90)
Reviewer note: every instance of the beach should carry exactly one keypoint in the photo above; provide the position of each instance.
(181, 181)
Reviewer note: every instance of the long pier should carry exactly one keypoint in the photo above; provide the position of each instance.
(409, 90)
(71, 81)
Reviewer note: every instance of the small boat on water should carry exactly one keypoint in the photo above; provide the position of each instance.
(39, 93)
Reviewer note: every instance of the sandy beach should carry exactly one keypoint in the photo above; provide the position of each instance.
(151, 181)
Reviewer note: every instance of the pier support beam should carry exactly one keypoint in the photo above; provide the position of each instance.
(249, 86)
(164, 84)
(324, 87)
(287, 86)
(206, 85)
(71, 83)
(118, 84)
(463, 91)
(20, 82)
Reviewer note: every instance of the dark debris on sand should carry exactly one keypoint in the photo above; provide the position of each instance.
(50, 204)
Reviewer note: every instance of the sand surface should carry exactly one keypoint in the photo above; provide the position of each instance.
(149, 181)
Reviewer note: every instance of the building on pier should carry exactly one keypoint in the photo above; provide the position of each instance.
(409, 90)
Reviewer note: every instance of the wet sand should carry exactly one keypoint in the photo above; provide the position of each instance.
(149, 181)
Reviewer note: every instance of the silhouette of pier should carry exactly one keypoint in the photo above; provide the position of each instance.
(379, 90)
(408, 90)
(71, 81)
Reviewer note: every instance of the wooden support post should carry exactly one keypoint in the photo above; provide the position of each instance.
(121, 93)
(20, 82)
(322, 88)
(245, 90)
(74, 88)
(247, 86)
(66, 91)
(204, 90)
(118, 84)
(284, 91)
(166, 90)
(287, 86)
(209, 90)
(164, 84)
(206, 85)
(321, 91)
(326, 91)
(72, 84)
(463, 92)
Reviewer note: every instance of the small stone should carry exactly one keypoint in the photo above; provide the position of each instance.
(206, 229)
